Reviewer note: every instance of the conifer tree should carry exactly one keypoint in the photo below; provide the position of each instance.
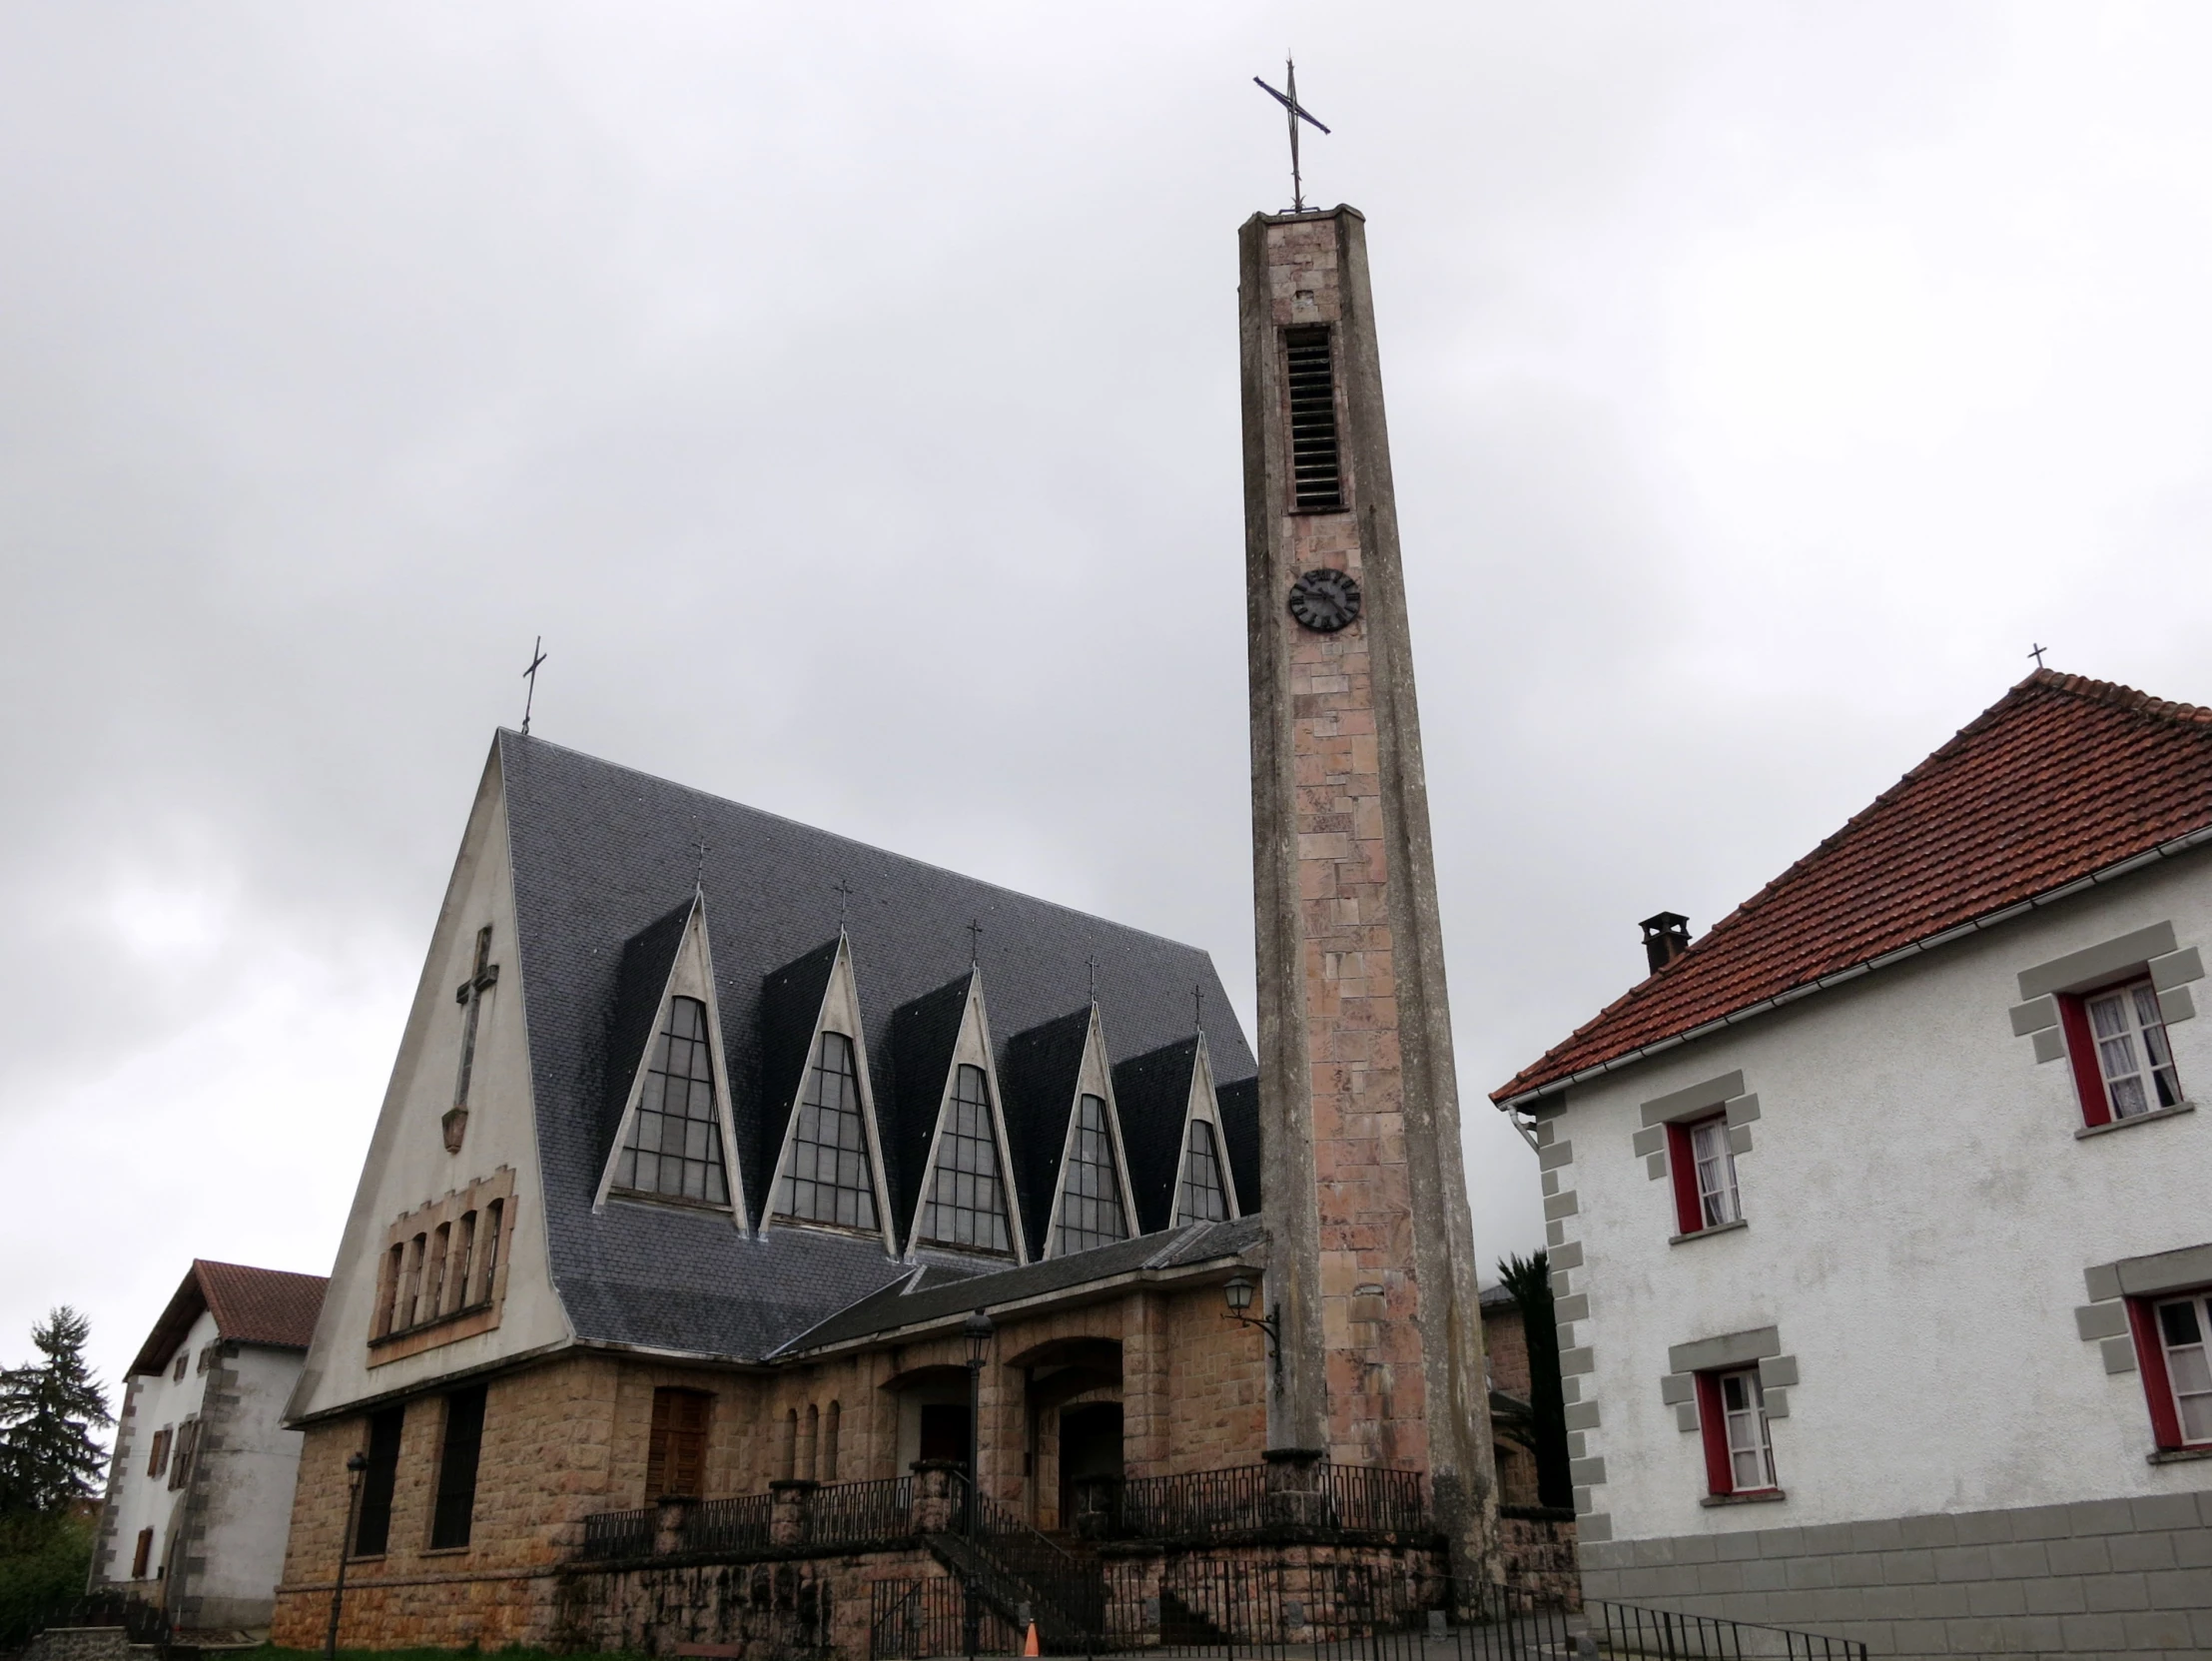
(51, 1411)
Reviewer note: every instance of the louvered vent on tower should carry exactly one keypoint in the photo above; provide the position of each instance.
(1316, 477)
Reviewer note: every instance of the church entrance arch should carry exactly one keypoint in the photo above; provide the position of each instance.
(933, 1415)
(1071, 1395)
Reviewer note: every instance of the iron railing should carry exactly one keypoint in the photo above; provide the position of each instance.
(1206, 1504)
(1226, 1609)
(1039, 1570)
(142, 1623)
(860, 1514)
(1624, 1629)
(739, 1524)
(621, 1534)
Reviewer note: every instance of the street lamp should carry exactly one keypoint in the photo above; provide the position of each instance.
(355, 1463)
(1239, 1293)
(977, 1330)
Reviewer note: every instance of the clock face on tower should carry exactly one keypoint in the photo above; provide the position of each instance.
(1324, 601)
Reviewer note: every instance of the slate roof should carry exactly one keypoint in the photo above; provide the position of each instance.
(1154, 1093)
(2062, 777)
(271, 1306)
(604, 860)
(938, 1296)
(1043, 1068)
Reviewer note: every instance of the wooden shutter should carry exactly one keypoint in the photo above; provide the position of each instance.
(676, 1454)
(1720, 1470)
(2150, 1362)
(1681, 1166)
(2081, 1051)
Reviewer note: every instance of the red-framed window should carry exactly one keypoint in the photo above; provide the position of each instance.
(1731, 1415)
(1703, 1166)
(2117, 1040)
(2173, 1350)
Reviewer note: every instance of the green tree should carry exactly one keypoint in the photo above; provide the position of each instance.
(1529, 1280)
(51, 1413)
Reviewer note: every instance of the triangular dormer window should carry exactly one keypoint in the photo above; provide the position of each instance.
(827, 1176)
(1092, 1211)
(674, 1147)
(965, 1204)
(1202, 1196)
(673, 1140)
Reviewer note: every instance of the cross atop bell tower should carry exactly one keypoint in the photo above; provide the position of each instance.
(1371, 1255)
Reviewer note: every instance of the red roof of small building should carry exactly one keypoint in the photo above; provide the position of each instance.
(2058, 780)
(269, 1306)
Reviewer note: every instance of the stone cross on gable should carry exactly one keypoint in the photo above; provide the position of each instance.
(469, 995)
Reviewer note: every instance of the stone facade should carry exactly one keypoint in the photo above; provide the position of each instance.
(2103, 1578)
(569, 1437)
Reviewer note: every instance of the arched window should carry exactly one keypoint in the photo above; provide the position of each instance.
(810, 1445)
(827, 1456)
(787, 1462)
(967, 1203)
(1203, 1198)
(827, 1177)
(675, 1144)
(1090, 1190)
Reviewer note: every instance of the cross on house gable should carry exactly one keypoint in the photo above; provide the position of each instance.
(469, 995)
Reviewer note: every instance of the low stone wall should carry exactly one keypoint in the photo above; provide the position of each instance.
(2099, 1577)
(79, 1643)
(1537, 1546)
(758, 1611)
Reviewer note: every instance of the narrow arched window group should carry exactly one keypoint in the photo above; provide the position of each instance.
(807, 1449)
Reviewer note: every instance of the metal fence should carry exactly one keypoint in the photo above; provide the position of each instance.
(1232, 1610)
(859, 1513)
(621, 1534)
(1205, 1504)
(142, 1623)
(739, 1524)
(1625, 1629)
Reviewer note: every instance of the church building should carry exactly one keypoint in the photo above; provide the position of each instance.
(763, 1233)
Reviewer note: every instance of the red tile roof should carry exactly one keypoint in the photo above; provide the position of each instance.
(252, 1305)
(2060, 778)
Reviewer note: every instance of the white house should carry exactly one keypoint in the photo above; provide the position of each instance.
(199, 1496)
(1881, 1215)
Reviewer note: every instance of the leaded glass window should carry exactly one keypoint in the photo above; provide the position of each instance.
(827, 1177)
(967, 1201)
(1205, 1198)
(1090, 1190)
(675, 1144)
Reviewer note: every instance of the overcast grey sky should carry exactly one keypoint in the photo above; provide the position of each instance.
(848, 395)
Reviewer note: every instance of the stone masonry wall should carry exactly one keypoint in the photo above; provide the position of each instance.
(2105, 1577)
(569, 1437)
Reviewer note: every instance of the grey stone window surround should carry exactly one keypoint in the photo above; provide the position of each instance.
(1737, 1226)
(2133, 1120)
(2103, 1320)
(1761, 1347)
(2149, 951)
(1726, 1092)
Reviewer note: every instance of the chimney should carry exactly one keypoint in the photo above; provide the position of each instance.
(1666, 938)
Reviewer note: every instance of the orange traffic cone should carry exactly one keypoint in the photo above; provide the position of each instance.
(1030, 1647)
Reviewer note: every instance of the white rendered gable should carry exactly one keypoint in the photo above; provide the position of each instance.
(409, 1164)
(690, 976)
(840, 1013)
(972, 1049)
(1094, 1078)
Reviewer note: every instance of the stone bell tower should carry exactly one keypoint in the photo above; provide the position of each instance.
(1372, 1254)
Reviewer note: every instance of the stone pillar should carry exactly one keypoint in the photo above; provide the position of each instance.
(1371, 1254)
(669, 1526)
(1145, 1412)
(787, 1511)
(1295, 1497)
(935, 1504)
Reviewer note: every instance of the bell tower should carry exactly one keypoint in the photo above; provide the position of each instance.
(1372, 1253)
